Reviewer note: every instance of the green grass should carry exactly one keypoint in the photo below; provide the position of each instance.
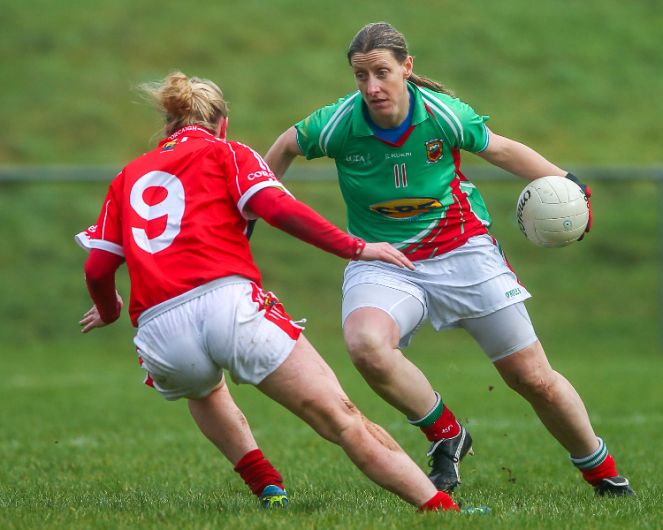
(85, 445)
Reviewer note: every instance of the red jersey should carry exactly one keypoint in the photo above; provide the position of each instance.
(176, 215)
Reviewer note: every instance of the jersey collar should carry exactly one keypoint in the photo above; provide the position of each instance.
(361, 128)
(193, 131)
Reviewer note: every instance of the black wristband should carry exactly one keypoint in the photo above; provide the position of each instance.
(575, 179)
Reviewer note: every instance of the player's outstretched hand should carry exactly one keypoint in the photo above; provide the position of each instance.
(385, 252)
(588, 193)
(91, 319)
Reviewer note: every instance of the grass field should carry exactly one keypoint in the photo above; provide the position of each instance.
(85, 445)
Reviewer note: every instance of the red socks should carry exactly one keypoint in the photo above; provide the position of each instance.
(441, 501)
(596, 466)
(445, 426)
(258, 472)
(438, 423)
(605, 469)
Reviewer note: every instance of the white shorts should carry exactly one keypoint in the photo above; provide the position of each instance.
(469, 282)
(230, 323)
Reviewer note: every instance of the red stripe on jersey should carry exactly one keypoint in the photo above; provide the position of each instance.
(455, 153)
(275, 312)
(401, 140)
(454, 229)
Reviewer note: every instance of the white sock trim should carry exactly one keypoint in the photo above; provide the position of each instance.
(437, 402)
(592, 460)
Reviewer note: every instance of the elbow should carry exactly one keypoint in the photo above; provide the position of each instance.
(97, 276)
(93, 276)
(499, 158)
(277, 218)
(500, 150)
(283, 151)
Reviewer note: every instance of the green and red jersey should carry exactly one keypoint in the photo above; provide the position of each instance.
(410, 193)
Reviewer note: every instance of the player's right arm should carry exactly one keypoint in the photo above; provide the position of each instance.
(319, 134)
(283, 152)
(283, 211)
(100, 270)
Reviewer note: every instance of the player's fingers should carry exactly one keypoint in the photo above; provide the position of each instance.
(89, 326)
(405, 261)
(400, 259)
(94, 323)
(397, 258)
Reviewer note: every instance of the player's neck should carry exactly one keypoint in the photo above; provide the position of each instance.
(396, 118)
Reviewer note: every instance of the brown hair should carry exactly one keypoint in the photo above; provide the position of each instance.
(383, 35)
(187, 101)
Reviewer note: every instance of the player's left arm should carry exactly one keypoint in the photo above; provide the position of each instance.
(91, 319)
(525, 162)
(517, 158)
(100, 270)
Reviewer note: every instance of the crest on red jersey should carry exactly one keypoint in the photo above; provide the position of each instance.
(434, 150)
(168, 145)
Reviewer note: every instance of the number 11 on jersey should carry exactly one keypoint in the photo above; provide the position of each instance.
(400, 176)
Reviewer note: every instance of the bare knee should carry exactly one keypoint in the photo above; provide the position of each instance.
(529, 373)
(333, 419)
(219, 392)
(537, 385)
(347, 426)
(369, 352)
(371, 336)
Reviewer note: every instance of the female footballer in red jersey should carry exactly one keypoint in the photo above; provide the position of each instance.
(178, 216)
(396, 142)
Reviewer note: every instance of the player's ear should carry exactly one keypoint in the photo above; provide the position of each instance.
(223, 128)
(408, 65)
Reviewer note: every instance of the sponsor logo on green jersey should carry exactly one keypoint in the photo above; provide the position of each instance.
(408, 207)
(358, 158)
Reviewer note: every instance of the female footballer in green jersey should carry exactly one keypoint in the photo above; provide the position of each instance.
(396, 142)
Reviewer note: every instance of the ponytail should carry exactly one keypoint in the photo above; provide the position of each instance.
(187, 101)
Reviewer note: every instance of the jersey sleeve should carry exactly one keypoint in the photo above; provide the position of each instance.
(249, 174)
(108, 229)
(317, 133)
(462, 126)
(82, 239)
(474, 131)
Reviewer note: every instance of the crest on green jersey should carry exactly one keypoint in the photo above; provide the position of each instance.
(434, 150)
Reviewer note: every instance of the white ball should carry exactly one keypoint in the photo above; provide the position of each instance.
(552, 212)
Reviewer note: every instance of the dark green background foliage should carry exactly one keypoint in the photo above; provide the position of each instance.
(580, 81)
(84, 445)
